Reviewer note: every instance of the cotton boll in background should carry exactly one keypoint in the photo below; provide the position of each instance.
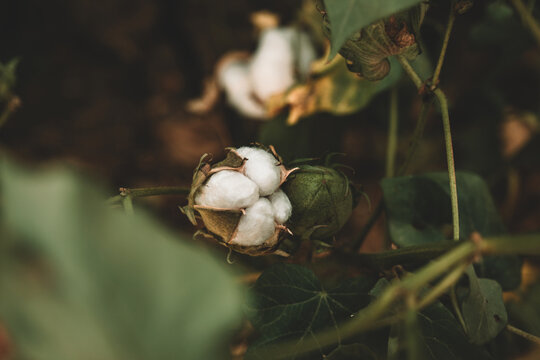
(228, 189)
(281, 205)
(235, 79)
(272, 67)
(256, 225)
(261, 167)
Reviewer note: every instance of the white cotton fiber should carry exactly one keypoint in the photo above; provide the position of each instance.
(234, 78)
(261, 167)
(281, 205)
(256, 225)
(272, 67)
(228, 189)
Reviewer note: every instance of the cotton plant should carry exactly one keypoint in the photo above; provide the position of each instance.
(282, 59)
(250, 202)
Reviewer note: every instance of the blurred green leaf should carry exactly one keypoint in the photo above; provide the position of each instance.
(82, 281)
(290, 303)
(419, 212)
(483, 309)
(349, 16)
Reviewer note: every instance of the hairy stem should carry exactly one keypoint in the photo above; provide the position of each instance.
(149, 191)
(392, 133)
(527, 18)
(523, 334)
(449, 26)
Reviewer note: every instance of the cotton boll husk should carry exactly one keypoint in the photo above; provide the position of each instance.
(228, 189)
(234, 78)
(256, 225)
(261, 167)
(281, 205)
(272, 67)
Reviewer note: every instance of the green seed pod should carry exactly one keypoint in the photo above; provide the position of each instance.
(322, 201)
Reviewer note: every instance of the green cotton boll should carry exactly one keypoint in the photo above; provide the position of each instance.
(322, 201)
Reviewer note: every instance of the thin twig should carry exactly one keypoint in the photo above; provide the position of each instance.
(449, 25)
(446, 283)
(527, 18)
(523, 334)
(457, 310)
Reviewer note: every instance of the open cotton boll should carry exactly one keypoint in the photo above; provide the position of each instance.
(256, 225)
(234, 78)
(228, 189)
(261, 167)
(281, 205)
(272, 67)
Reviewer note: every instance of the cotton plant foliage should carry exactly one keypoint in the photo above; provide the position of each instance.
(239, 200)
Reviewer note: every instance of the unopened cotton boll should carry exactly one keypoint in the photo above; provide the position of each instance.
(256, 225)
(272, 67)
(228, 189)
(261, 167)
(281, 205)
(234, 78)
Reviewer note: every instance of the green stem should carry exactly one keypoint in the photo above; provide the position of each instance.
(440, 288)
(392, 134)
(408, 257)
(527, 18)
(449, 161)
(149, 191)
(523, 334)
(443, 104)
(370, 316)
(457, 310)
(449, 25)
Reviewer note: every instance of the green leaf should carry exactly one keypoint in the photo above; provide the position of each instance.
(290, 303)
(419, 212)
(438, 335)
(483, 309)
(348, 16)
(352, 352)
(82, 281)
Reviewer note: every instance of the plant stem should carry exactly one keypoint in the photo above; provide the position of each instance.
(446, 283)
(527, 18)
(408, 257)
(449, 25)
(450, 161)
(524, 334)
(370, 316)
(149, 191)
(457, 310)
(392, 133)
(443, 104)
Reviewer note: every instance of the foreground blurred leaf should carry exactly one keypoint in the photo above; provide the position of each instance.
(290, 303)
(419, 212)
(82, 281)
(349, 16)
(333, 89)
(483, 309)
